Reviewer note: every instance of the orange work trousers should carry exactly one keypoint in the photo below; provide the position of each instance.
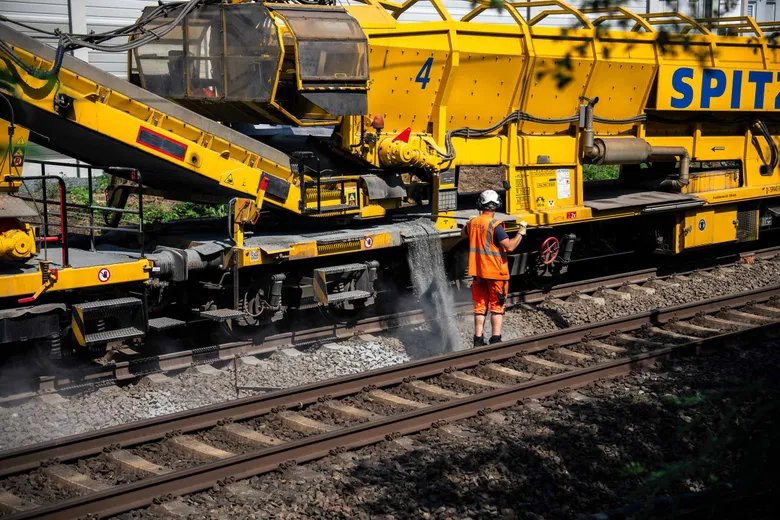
(489, 294)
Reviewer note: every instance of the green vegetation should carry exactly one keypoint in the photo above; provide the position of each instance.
(159, 210)
(596, 172)
(156, 209)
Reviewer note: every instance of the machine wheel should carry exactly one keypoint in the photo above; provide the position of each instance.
(254, 305)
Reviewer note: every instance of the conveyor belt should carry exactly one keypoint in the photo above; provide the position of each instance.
(91, 134)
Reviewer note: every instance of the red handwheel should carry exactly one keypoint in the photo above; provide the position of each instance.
(549, 250)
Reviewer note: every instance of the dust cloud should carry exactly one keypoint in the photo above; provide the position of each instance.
(429, 279)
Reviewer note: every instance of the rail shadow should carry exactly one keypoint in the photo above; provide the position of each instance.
(688, 429)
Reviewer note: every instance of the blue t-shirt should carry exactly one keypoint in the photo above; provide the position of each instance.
(499, 234)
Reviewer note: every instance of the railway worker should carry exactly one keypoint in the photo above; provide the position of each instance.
(488, 246)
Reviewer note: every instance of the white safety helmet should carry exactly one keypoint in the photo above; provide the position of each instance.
(489, 200)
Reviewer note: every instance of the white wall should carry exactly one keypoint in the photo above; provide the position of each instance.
(762, 10)
(46, 15)
(77, 16)
(103, 15)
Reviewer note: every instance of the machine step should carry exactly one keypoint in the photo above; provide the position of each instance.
(221, 314)
(114, 335)
(339, 269)
(108, 320)
(348, 296)
(340, 284)
(105, 308)
(165, 323)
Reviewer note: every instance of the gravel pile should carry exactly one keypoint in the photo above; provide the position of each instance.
(555, 314)
(37, 421)
(697, 424)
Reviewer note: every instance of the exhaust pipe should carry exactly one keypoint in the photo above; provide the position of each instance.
(673, 153)
(629, 150)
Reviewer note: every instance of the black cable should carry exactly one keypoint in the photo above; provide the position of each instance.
(12, 119)
(8, 154)
(774, 155)
(33, 71)
(28, 27)
(518, 116)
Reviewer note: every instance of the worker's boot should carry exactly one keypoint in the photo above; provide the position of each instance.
(479, 341)
(495, 339)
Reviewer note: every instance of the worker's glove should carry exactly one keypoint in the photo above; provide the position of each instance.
(523, 227)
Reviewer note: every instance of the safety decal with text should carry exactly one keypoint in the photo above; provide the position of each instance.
(160, 143)
(692, 88)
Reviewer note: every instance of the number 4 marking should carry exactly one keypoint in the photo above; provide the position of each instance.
(425, 72)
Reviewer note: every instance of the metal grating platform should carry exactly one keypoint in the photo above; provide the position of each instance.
(345, 268)
(113, 335)
(102, 304)
(348, 296)
(106, 308)
(165, 323)
(221, 314)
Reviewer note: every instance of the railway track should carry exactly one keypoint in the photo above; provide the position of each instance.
(155, 460)
(130, 366)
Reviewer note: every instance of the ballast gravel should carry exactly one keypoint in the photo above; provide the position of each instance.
(701, 423)
(37, 421)
(552, 314)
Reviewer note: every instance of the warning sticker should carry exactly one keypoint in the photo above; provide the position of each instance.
(18, 157)
(104, 275)
(563, 180)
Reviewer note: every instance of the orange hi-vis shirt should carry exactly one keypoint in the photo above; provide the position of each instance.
(486, 259)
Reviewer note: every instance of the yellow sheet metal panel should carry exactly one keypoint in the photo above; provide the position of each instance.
(720, 147)
(406, 73)
(712, 181)
(558, 76)
(478, 152)
(747, 54)
(558, 149)
(25, 284)
(710, 226)
(489, 73)
(622, 77)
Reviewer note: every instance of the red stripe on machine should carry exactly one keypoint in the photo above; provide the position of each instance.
(161, 143)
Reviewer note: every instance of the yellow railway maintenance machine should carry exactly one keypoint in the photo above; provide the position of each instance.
(376, 119)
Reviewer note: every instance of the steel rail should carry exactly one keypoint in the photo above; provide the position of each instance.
(133, 369)
(92, 443)
(142, 493)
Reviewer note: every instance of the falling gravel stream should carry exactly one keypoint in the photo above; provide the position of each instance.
(426, 265)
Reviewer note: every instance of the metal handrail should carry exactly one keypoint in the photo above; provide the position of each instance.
(63, 203)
